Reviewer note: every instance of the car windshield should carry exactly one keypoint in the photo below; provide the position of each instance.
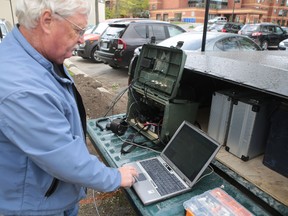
(191, 42)
(113, 32)
(250, 28)
(100, 28)
(216, 26)
(89, 29)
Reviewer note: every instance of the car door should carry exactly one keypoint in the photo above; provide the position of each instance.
(281, 35)
(158, 31)
(274, 38)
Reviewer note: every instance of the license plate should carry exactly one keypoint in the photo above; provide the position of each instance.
(105, 45)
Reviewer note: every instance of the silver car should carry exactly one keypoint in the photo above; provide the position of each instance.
(5, 27)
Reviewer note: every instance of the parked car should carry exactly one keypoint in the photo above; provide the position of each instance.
(285, 28)
(5, 27)
(198, 28)
(216, 27)
(218, 19)
(266, 35)
(192, 41)
(90, 28)
(232, 27)
(283, 45)
(119, 40)
(88, 49)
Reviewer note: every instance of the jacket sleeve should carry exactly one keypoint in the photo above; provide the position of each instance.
(42, 126)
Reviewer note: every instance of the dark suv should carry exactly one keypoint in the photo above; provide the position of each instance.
(266, 35)
(232, 27)
(88, 49)
(118, 41)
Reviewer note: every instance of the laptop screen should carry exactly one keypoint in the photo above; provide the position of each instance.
(190, 150)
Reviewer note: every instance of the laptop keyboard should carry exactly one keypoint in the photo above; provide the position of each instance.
(165, 181)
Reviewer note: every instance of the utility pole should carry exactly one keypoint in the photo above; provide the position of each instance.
(11, 8)
(233, 11)
(205, 25)
(96, 12)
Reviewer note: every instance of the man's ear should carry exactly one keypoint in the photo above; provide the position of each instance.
(46, 21)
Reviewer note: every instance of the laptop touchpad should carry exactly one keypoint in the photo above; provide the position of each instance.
(141, 177)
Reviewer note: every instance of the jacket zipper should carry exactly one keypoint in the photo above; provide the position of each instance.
(52, 187)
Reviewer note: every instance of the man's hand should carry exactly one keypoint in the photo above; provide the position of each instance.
(128, 174)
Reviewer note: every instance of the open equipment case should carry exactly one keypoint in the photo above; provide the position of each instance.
(157, 102)
(160, 83)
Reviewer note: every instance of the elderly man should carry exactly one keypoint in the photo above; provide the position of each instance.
(44, 162)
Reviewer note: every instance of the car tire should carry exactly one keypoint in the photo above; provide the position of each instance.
(264, 45)
(93, 56)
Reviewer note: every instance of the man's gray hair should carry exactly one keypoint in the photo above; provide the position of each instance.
(28, 12)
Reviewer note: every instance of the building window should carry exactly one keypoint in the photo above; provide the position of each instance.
(158, 17)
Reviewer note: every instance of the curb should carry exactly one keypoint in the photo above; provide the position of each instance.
(75, 70)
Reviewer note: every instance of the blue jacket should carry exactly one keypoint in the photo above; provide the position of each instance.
(41, 137)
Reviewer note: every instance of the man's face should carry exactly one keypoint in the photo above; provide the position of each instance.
(66, 34)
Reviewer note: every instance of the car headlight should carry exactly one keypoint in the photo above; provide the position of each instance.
(82, 45)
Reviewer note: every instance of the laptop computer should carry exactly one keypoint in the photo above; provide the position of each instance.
(184, 159)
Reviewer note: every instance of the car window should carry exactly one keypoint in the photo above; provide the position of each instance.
(141, 31)
(279, 30)
(237, 27)
(113, 32)
(227, 44)
(158, 31)
(264, 29)
(271, 29)
(250, 28)
(246, 44)
(234, 27)
(173, 31)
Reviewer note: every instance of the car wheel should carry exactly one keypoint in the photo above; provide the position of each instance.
(264, 45)
(93, 56)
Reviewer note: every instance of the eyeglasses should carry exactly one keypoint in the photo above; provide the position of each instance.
(80, 31)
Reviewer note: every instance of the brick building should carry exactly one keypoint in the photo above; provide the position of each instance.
(245, 11)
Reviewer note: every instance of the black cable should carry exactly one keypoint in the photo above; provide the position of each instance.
(98, 123)
(117, 98)
(131, 141)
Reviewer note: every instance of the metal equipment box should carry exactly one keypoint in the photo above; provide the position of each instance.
(219, 118)
(248, 128)
(220, 112)
(156, 104)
